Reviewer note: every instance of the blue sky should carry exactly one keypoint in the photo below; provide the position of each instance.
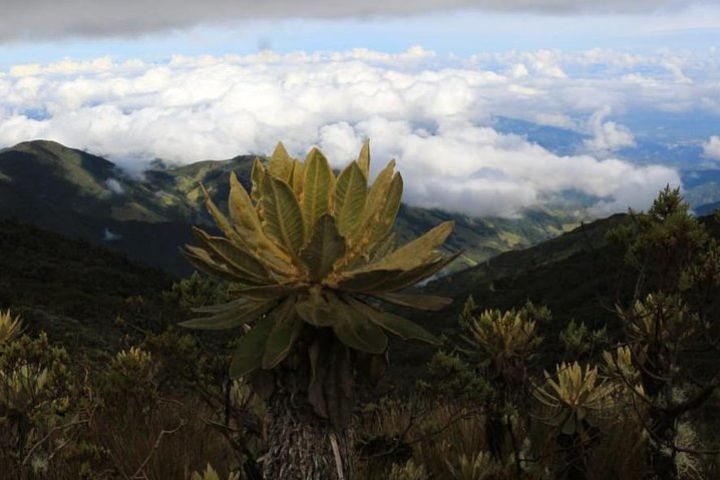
(461, 32)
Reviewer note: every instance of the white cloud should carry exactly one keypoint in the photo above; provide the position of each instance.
(114, 186)
(110, 236)
(607, 136)
(433, 114)
(711, 148)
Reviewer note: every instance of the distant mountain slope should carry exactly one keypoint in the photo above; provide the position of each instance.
(83, 195)
(74, 290)
(707, 209)
(577, 275)
(586, 239)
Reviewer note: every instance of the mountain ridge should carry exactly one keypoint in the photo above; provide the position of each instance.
(79, 194)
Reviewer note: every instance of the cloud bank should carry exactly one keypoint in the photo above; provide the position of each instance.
(435, 115)
(711, 148)
(52, 18)
(607, 136)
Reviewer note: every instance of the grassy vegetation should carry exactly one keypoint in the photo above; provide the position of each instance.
(160, 405)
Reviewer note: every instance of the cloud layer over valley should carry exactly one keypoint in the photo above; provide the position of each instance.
(434, 114)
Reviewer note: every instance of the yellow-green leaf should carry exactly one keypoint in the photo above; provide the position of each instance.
(317, 188)
(325, 247)
(247, 223)
(252, 270)
(266, 291)
(231, 318)
(242, 211)
(359, 241)
(356, 331)
(250, 350)
(221, 307)
(413, 276)
(257, 175)
(350, 195)
(418, 302)
(395, 324)
(201, 260)
(297, 178)
(283, 334)
(365, 281)
(315, 309)
(281, 214)
(388, 213)
(220, 219)
(379, 191)
(413, 253)
(364, 158)
(281, 164)
(330, 390)
(383, 247)
(373, 206)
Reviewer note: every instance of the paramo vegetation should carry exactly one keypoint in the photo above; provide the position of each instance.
(279, 366)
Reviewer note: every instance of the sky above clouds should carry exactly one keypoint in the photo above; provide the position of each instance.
(51, 18)
(186, 81)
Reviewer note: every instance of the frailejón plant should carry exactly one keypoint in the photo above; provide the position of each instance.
(311, 256)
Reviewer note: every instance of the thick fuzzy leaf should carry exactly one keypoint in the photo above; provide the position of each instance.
(320, 357)
(242, 211)
(383, 247)
(283, 335)
(376, 198)
(363, 160)
(350, 196)
(326, 246)
(220, 219)
(244, 216)
(365, 281)
(251, 348)
(362, 282)
(414, 253)
(418, 302)
(222, 307)
(379, 192)
(330, 391)
(239, 260)
(297, 178)
(395, 324)
(385, 221)
(281, 163)
(247, 223)
(231, 318)
(266, 291)
(355, 330)
(317, 188)
(314, 308)
(359, 241)
(281, 214)
(257, 176)
(219, 265)
(201, 260)
(414, 275)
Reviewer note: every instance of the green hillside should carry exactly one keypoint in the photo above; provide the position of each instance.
(76, 291)
(707, 209)
(585, 240)
(578, 275)
(82, 195)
